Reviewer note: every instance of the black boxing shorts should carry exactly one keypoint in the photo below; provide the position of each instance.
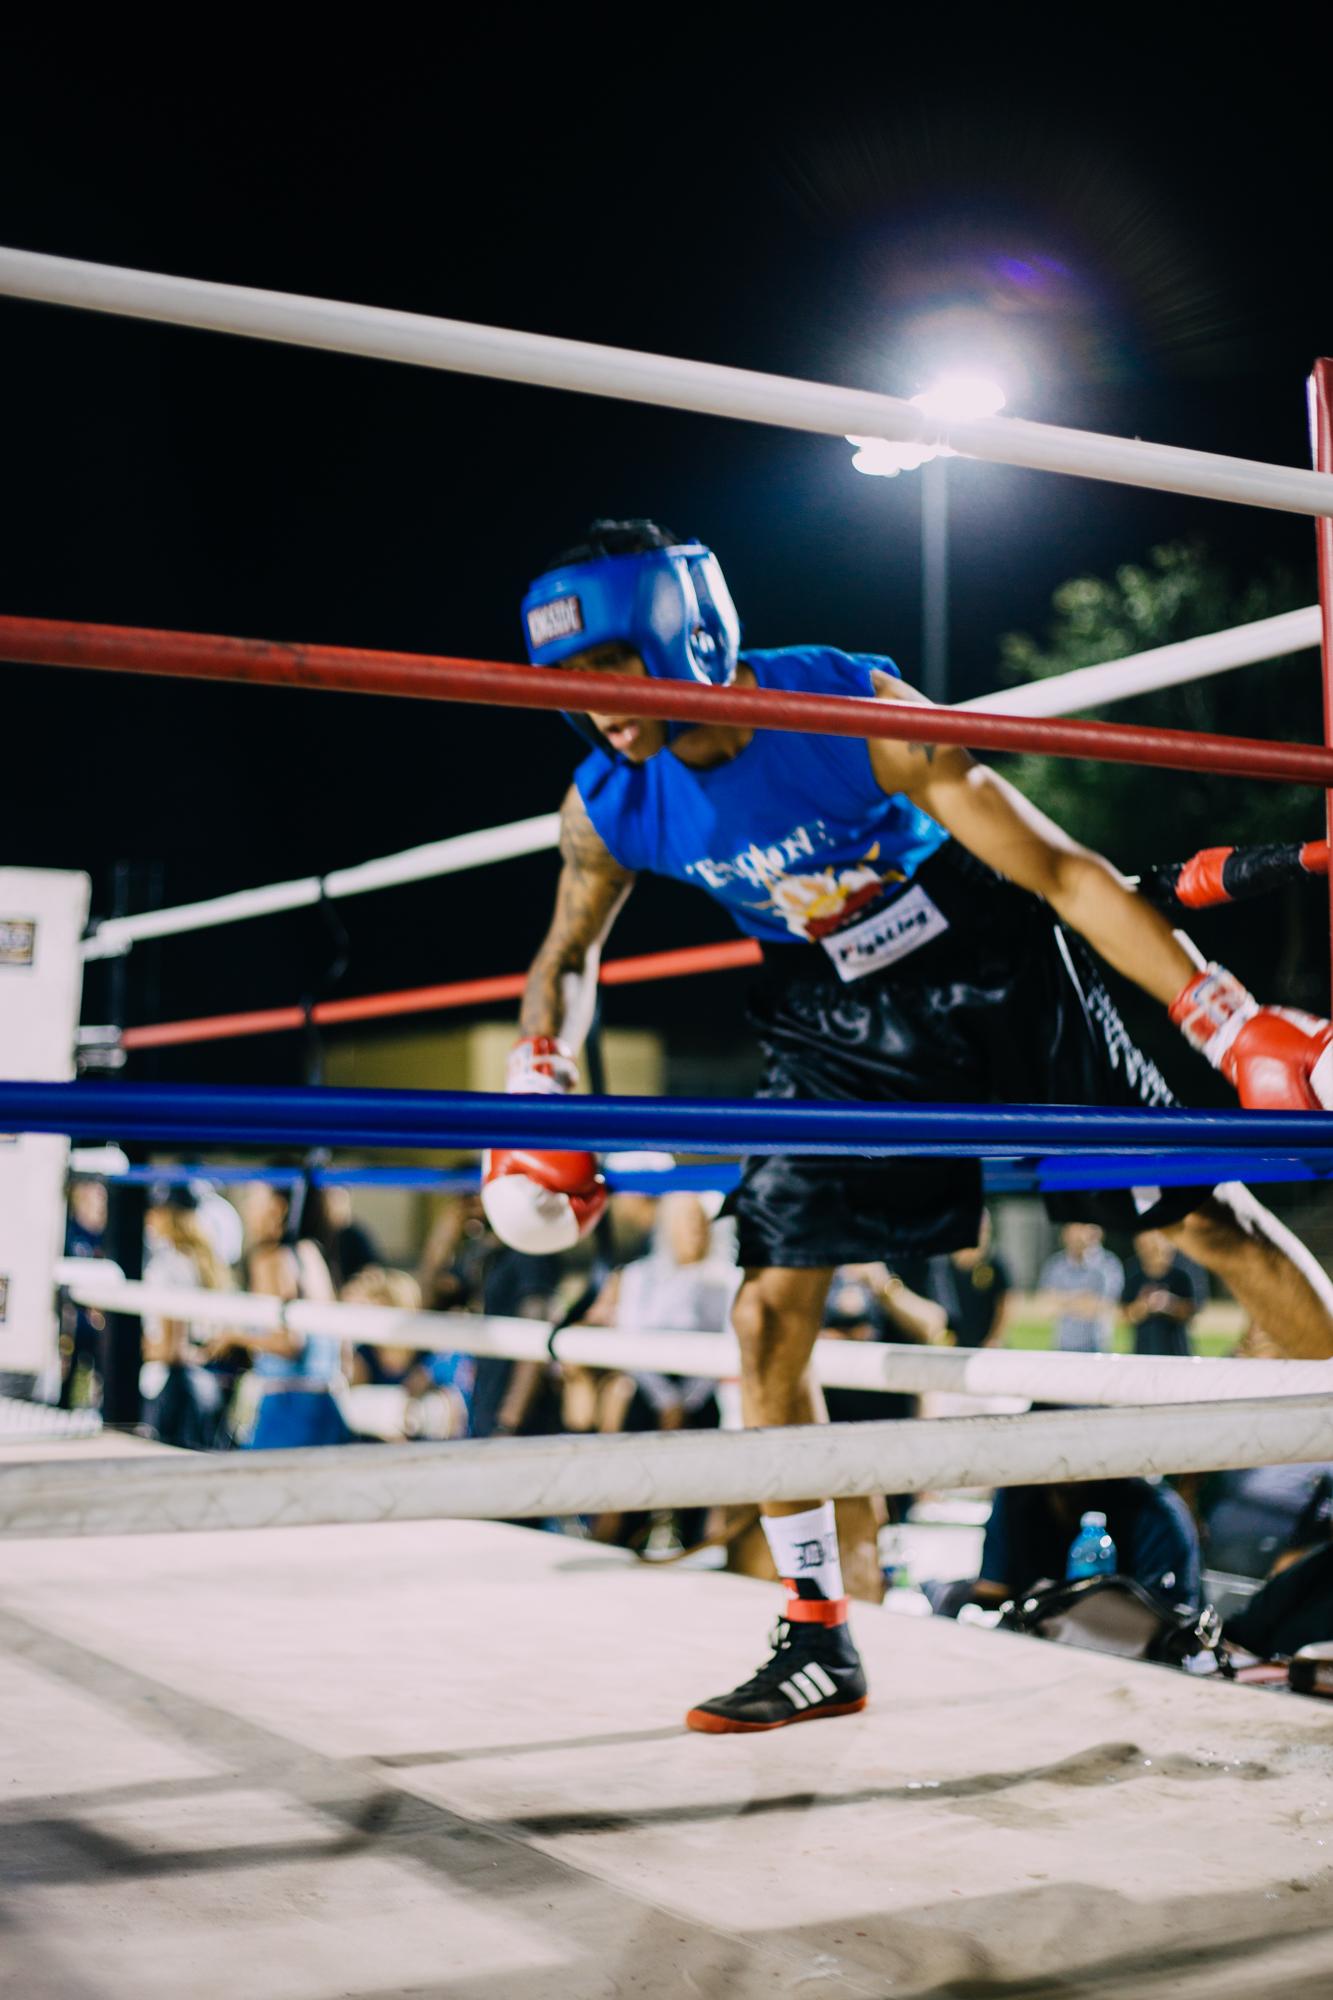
(973, 994)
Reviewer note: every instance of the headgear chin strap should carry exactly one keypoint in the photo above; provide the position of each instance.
(670, 606)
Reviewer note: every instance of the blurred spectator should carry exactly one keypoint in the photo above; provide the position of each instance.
(81, 1327)
(678, 1287)
(183, 1398)
(436, 1388)
(221, 1224)
(453, 1259)
(1255, 1522)
(398, 1291)
(975, 1289)
(350, 1246)
(1032, 1528)
(287, 1396)
(867, 1302)
(1082, 1284)
(508, 1395)
(86, 1224)
(1293, 1611)
(1163, 1292)
(633, 1224)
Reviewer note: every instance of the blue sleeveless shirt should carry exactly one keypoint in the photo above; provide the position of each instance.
(794, 836)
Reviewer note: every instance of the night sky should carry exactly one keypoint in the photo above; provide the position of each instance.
(1136, 235)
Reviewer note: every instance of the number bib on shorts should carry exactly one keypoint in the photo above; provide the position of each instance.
(887, 934)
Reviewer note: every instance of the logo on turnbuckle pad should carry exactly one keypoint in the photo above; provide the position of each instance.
(18, 941)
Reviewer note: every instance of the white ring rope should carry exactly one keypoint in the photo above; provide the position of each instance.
(840, 1364)
(38, 1423)
(539, 1478)
(1063, 694)
(1161, 667)
(416, 864)
(382, 334)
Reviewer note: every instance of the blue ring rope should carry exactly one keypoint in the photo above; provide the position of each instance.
(221, 1115)
(433, 1180)
(1066, 1174)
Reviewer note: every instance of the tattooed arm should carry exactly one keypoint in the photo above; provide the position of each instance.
(997, 824)
(562, 983)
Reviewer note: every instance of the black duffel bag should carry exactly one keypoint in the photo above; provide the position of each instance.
(1114, 1614)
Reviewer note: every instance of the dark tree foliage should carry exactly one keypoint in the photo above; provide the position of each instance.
(1138, 816)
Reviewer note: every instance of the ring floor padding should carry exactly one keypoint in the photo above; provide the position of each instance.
(444, 1758)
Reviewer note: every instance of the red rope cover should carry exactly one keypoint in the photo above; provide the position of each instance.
(339, 669)
(431, 999)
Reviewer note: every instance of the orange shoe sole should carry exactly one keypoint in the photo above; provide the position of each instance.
(717, 1725)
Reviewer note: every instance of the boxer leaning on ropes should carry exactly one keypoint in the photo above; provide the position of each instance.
(927, 936)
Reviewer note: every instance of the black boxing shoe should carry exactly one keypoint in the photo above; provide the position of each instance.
(815, 1671)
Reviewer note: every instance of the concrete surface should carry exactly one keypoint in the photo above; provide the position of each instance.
(447, 1759)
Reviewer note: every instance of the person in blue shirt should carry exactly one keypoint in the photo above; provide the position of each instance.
(927, 936)
(290, 1391)
(1081, 1284)
(1032, 1529)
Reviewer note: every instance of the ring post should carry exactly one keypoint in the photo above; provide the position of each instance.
(1321, 438)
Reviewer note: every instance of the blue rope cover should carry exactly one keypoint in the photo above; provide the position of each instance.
(1063, 1174)
(232, 1115)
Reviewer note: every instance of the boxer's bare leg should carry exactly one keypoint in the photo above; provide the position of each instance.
(858, 1546)
(814, 1670)
(1279, 1282)
(777, 1317)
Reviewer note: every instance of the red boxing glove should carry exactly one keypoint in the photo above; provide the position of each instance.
(1199, 884)
(539, 1065)
(1276, 1058)
(541, 1202)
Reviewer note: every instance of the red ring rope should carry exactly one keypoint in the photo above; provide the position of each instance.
(430, 999)
(276, 663)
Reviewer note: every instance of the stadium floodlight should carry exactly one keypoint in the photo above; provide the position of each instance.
(885, 458)
(954, 398)
(959, 397)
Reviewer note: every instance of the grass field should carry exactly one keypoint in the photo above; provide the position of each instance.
(1211, 1341)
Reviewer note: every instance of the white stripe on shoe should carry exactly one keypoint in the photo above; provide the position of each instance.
(794, 1694)
(823, 1681)
(808, 1686)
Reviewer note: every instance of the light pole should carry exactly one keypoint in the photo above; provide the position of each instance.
(935, 579)
(952, 399)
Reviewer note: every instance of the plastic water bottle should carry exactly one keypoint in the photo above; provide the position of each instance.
(1092, 1552)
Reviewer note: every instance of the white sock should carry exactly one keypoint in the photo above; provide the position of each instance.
(805, 1548)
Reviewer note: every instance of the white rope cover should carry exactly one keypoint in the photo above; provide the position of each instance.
(539, 1478)
(1102, 1379)
(416, 864)
(1063, 694)
(588, 369)
(35, 1423)
(1161, 667)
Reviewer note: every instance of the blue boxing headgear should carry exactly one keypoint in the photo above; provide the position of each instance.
(670, 605)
